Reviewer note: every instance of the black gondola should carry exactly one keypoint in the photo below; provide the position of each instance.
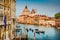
(17, 26)
(30, 29)
(42, 32)
(18, 30)
(36, 29)
(37, 32)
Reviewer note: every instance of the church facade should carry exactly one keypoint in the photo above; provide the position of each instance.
(33, 17)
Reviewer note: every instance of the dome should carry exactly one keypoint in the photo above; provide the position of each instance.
(25, 11)
(33, 11)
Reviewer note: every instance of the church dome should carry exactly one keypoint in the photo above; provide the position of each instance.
(33, 12)
(25, 11)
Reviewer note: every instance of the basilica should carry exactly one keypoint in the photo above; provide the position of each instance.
(34, 18)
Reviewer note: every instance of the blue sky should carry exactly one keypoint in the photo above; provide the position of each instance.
(43, 7)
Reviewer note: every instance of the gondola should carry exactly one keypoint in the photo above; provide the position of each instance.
(18, 30)
(42, 32)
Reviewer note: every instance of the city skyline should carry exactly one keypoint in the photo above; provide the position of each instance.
(43, 7)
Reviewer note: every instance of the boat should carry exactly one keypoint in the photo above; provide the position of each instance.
(18, 30)
(36, 30)
(42, 32)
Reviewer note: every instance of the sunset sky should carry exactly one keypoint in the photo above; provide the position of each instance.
(43, 7)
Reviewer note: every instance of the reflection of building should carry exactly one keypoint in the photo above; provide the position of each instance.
(8, 8)
(34, 18)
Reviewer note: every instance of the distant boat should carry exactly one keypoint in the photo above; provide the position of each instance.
(36, 30)
(30, 29)
(17, 26)
(42, 32)
(18, 30)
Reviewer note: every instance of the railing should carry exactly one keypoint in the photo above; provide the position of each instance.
(2, 22)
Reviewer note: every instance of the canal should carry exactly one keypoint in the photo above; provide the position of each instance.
(49, 33)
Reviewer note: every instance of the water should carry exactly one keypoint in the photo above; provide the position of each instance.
(51, 33)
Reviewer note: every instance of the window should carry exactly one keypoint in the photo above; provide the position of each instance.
(1, 7)
(1, 1)
(13, 21)
(6, 2)
(1, 16)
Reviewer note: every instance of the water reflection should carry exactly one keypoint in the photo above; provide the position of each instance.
(50, 33)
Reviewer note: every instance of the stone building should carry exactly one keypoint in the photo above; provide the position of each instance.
(27, 16)
(57, 22)
(8, 8)
(34, 18)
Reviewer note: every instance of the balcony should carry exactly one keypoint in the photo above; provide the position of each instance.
(2, 22)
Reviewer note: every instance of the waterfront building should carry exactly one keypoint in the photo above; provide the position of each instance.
(51, 21)
(45, 20)
(8, 8)
(34, 18)
(57, 21)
